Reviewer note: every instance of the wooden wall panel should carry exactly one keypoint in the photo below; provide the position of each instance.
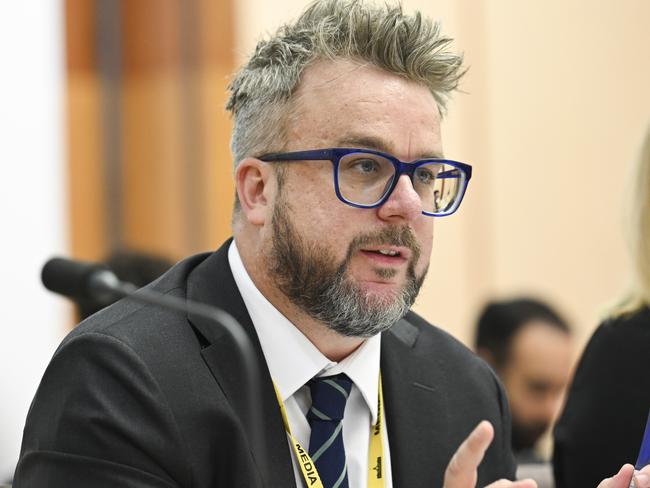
(152, 115)
(219, 193)
(218, 60)
(85, 189)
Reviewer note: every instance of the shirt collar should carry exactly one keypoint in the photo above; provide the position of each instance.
(277, 335)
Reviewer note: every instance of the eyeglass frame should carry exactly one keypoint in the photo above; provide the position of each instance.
(335, 154)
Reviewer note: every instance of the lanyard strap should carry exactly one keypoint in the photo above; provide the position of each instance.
(375, 450)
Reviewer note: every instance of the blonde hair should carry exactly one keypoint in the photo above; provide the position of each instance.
(638, 230)
(407, 45)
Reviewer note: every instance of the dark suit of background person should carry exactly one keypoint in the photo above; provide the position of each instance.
(142, 397)
(607, 405)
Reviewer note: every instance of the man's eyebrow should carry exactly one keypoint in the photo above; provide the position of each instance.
(370, 142)
(366, 142)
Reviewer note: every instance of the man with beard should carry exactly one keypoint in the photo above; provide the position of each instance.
(337, 150)
(529, 346)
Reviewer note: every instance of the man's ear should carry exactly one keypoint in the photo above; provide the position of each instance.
(253, 180)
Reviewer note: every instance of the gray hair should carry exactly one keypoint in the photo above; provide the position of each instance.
(407, 45)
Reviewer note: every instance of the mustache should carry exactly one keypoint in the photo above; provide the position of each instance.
(389, 236)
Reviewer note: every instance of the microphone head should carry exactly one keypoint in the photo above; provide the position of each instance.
(71, 278)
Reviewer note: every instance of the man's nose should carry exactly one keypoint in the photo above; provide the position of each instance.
(404, 203)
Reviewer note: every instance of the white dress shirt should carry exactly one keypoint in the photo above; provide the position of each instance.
(293, 360)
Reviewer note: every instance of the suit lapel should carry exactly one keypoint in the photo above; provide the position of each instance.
(212, 283)
(416, 410)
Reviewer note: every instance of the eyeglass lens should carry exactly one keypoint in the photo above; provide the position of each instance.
(365, 178)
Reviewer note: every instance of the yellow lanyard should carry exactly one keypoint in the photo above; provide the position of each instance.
(375, 450)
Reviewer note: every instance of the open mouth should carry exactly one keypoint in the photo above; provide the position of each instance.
(387, 252)
(387, 255)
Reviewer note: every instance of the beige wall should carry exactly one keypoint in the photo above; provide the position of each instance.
(557, 98)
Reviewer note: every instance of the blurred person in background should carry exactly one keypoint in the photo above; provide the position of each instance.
(609, 399)
(529, 345)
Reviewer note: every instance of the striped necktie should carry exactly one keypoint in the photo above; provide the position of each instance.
(329, 395)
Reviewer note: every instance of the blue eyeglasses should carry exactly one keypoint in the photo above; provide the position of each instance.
(364, 178)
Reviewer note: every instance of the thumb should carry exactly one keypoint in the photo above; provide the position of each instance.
(621, 479)
(461, 470)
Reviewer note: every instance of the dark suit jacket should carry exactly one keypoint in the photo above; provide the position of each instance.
(602, 424)
(139, 396)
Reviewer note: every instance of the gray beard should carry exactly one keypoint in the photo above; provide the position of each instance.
(308, 275)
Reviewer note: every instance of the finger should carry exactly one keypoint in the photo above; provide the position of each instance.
(527, 483)
(619, 480)
(642, 478)
(461, 471)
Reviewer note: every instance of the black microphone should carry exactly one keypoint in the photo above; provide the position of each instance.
(81, 280)
(87, 280)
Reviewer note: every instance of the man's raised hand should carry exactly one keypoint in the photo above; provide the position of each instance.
(623, 478)
(461, 470)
